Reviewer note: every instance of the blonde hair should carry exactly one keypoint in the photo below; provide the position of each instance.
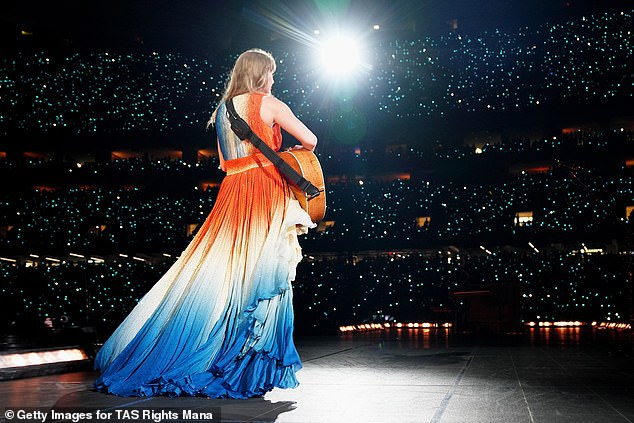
(247, 76)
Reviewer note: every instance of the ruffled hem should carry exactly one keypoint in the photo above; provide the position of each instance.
(253, 375)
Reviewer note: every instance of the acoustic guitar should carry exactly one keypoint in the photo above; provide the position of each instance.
(306, 164)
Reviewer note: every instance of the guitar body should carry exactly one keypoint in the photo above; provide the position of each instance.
(306, 164)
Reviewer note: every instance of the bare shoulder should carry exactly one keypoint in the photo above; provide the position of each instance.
(273, 103)
(269, 109)
(274, 110)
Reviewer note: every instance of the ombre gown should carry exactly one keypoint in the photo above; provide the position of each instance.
(219, 322)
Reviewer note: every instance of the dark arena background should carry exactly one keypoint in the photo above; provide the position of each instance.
(475, 261)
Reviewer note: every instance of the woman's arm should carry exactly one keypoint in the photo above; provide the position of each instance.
(275, 111)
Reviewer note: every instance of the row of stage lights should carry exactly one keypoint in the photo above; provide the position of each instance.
(561, 324)
(571, 324)
(381, 326)
(365, 327)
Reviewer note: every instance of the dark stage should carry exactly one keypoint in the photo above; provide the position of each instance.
(409, 375)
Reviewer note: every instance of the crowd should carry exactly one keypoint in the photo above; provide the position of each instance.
(82, 240)
(135, 205)
(582, 60)
(395, 248)
(332, 290)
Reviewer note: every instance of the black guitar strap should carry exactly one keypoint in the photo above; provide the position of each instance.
(243, 131)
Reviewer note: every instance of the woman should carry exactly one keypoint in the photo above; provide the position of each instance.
(219, 323)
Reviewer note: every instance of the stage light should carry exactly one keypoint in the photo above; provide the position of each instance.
(533, 247)
(485, 250)
(35, 358)
(341, 55)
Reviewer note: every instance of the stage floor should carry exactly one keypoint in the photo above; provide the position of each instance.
(545, 375)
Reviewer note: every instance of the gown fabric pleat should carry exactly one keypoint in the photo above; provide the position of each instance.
(219, 322)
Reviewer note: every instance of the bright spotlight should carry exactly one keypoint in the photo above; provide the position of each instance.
(341, 55)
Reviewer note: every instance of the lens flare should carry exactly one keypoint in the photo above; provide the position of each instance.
(341, 55)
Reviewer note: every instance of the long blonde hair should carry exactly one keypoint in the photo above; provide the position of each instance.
(247, 76)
